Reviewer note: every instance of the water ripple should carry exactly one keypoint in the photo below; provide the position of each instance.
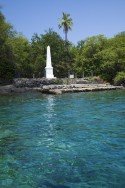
(67, 141)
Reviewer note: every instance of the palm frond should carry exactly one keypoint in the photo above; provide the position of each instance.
(65, 23)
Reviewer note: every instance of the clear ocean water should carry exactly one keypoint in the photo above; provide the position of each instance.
(65, 141)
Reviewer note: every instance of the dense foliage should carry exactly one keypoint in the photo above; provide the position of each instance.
(95, 56)
(120, 79)
(6, 52)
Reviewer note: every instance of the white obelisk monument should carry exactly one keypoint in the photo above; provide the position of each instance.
(49, 68)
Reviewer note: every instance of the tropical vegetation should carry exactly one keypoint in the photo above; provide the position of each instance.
(94, 56)
(66, 23)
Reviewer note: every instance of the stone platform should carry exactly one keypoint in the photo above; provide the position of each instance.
(73, 88)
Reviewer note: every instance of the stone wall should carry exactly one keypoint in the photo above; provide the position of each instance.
(39, 82)
(33, 82)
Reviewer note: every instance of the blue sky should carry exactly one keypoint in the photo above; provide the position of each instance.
(90, 17)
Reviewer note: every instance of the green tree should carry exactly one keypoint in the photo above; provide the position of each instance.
(112, 58)
(21, 49)
(120, 78)
(87, 59)
(66, 23)
(37, 55)
(6, 53)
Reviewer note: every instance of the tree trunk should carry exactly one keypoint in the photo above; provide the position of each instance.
(66, 36)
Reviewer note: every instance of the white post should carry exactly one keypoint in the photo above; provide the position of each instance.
(49, 68)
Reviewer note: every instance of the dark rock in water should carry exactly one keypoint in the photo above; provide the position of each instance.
(50, 185)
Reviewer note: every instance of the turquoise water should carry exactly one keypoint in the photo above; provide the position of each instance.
(66, 141)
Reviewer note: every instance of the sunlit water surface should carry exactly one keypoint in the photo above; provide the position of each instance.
(66, 141)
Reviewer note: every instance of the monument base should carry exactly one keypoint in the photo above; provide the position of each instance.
(49, 72)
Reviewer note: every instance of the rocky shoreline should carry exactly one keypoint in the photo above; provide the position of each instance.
(57, 86)
(73, 88)
(59, 89)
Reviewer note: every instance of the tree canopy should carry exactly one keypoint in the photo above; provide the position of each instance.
(6, 52)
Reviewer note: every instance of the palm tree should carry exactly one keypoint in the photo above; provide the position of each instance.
(66, 23)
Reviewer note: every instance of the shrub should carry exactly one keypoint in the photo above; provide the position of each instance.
(120, 79)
